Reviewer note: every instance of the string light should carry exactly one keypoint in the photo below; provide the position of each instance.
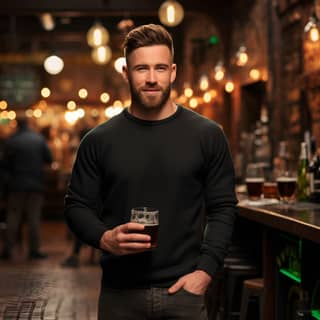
(229, 86)
(312, 30)
(53, 64)
(242, 56)
(171, 13)
(101, 55)
(45, 92)
(219, 71)
(97, 35)
(83, 93)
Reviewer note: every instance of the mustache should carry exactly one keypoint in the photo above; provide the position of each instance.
(151, 86)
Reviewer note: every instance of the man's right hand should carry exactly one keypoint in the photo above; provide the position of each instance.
(125, 239)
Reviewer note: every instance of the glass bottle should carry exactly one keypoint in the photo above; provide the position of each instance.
(315, 181)
(302, 182)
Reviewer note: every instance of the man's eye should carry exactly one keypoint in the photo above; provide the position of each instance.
(142, 68)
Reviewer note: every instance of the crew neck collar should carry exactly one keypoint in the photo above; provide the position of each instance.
(129, 116)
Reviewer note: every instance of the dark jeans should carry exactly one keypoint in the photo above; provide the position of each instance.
(150, 304)
(18, 203)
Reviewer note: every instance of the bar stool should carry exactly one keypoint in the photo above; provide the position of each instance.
(235, 272)
(252, 287)
(221, 298)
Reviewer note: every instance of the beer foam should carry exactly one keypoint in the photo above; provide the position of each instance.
(287, 179)
(254, 180)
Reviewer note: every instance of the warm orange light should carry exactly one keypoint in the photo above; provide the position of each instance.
(3, 104)
(204, 83)
(254, 74)
(242, 56)
(104, 97)
(45, 92)
(188, 92)
(207, 97)
(229, 86)
(71, 105)
(83, 93)
(219, 71)
(11, 115)
(193, 103)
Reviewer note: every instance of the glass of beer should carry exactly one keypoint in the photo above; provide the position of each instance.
(254, 181)
(270, 190)
(149, 217)
(286, 183)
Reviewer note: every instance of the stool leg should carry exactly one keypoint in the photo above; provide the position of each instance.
(244, 304)
(261, 305)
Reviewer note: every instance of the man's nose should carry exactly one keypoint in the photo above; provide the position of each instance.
(151, 77)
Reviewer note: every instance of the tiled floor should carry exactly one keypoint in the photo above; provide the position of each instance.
(43, 289)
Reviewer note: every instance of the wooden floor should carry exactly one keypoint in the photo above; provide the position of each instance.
(45, 290)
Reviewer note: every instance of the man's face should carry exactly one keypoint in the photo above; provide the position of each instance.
(150, 73)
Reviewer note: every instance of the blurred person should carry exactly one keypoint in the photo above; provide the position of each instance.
(73, 260)
(26, 154)
(158, 154)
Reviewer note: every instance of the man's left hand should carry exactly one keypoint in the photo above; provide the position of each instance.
(196, 282)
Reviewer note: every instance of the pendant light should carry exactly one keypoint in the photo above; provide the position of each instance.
(171, 13)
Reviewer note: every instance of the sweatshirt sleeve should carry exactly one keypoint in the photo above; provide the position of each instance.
(82, 201)
(220, 202)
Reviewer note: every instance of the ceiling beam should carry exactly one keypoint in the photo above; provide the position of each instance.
(104, 7)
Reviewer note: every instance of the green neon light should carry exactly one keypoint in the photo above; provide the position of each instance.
(316, 314)
(290, 275)
(213, 40)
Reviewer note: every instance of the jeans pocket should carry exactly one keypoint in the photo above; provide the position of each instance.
(191, 293)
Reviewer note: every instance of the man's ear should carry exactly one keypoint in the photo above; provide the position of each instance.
(173, 72)
(125, 73)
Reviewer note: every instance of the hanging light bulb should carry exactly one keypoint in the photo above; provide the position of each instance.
(312, 29)
(187, 91)
(219, 71)
(97, 35)
(47, 21)
(229, 86)
(171, 13)
(53, 64)
(101, 55)
(254, 74)
(242, 56)
(204, 83)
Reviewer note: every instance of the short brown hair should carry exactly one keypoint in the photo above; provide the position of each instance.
(147, 35)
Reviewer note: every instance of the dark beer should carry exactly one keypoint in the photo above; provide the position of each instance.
(286, 187)
(270, 190)
(149, 217)
(152, 231)
(254, 187)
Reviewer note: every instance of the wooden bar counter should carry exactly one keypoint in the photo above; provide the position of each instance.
(301, 221)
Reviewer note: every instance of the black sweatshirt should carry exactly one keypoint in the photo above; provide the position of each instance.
(180, 165)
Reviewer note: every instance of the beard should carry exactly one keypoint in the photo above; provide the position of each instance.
(150, 102)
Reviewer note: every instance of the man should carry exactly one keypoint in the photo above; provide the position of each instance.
(26, 154)
(160, 155)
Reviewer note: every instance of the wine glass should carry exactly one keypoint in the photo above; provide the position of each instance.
(254, 181)
(287, 184)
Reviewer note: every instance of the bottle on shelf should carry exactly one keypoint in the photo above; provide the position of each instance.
(303, 311)
(302, 181)
(314, 170)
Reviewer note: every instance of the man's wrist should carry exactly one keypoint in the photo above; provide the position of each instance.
(206, 277)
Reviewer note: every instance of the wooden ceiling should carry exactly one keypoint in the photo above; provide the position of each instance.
(24, 40)
(21, 30)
